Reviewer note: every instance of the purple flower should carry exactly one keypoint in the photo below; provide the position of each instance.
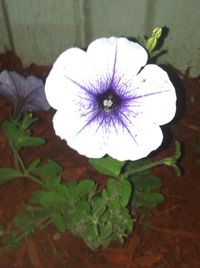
(107, 102)
(26, 94)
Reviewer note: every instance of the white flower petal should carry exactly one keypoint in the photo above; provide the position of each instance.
(58, 87)
(88, 141)
(154, 94)
(117, 55)
(76, 70)
(95, 140)
(134, 141)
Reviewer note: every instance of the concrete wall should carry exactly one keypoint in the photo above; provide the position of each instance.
(39, 30)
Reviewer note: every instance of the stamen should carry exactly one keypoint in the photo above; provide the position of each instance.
(108, 101)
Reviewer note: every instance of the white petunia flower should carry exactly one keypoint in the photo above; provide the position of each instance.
(107, 102)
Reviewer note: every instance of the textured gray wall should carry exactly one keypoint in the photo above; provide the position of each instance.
(39, 31)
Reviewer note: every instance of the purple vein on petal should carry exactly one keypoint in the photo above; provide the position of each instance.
(79, 85)
(125, 126)
(88, 123)
(117, 81)
(114, 66)
(147, 95)
(112, 120)
(100, 123)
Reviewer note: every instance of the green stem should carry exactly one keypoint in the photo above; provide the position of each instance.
(33, 178)
(143, 168)
(19, 165)
(168, 161)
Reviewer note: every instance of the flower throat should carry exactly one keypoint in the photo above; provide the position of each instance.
(108, 101)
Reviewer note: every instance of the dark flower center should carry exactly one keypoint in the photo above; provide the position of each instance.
(108, 101)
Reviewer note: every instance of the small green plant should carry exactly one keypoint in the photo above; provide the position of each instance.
(99, 216)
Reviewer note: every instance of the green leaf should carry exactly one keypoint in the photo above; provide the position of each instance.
(8, 174)
(10, 130)
(25, 141)
(107, 165)
(125, 191)
(156, 53)
(105, 230)
(115, 206)
(27, 121)
(80, 211)
(52, 199)
(84, 188)
(24, 223)
(147, 212)
(142, 41)
(59, 222)
(98, 207)
(138, 166)
(105, 195)
(48, 199)
(20, 137)
(63, 190)
(153, 199)
(112, 187)
(48, 171)
(32, 167)
(119, 190)
(53, 183)
(146, 182)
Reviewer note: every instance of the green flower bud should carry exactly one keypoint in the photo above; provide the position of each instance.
(152, 41)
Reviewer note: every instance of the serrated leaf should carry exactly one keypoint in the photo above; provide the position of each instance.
(107, 165)
(8, 174)
(59, 222)
(84, 188)
(125, 191)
